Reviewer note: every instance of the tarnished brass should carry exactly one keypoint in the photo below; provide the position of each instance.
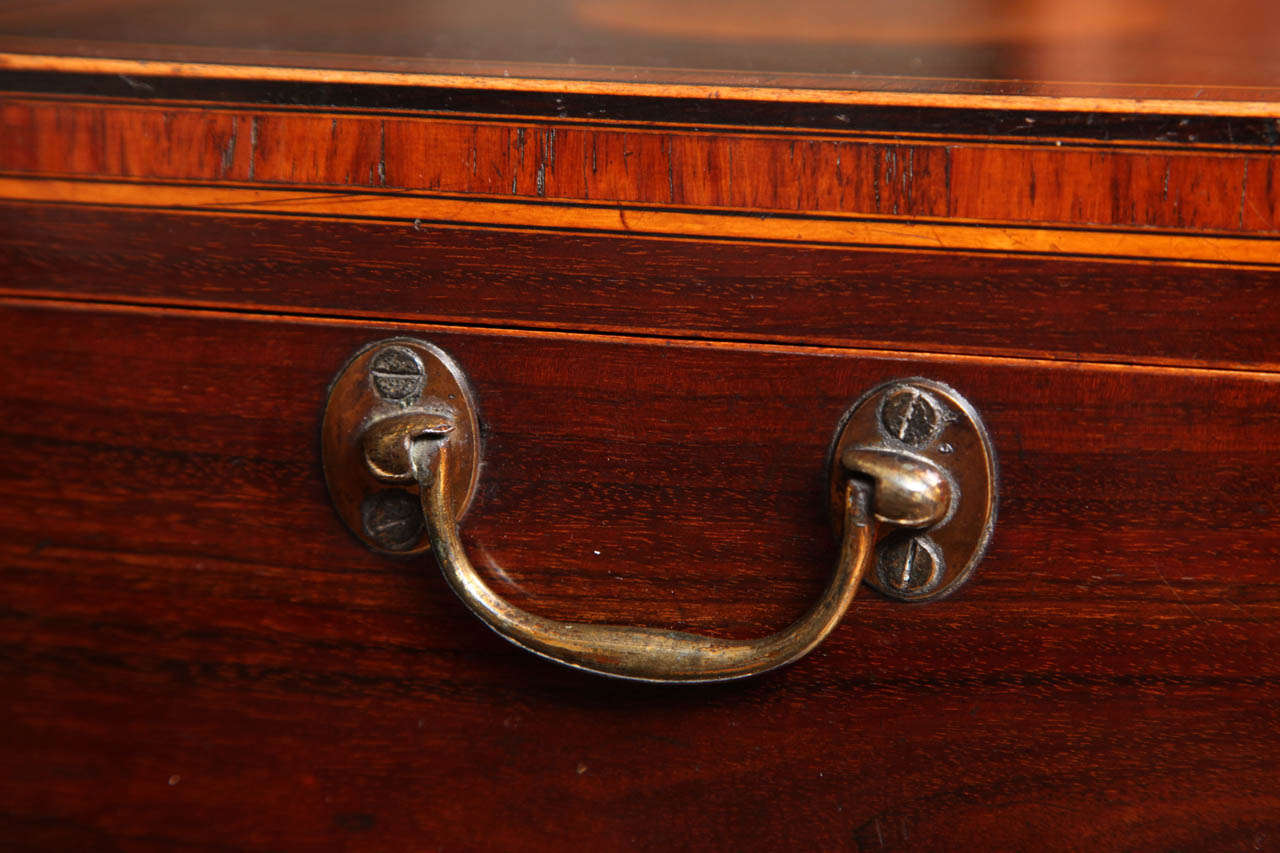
(387, 441)
(400, 419)
(386, 395)
(932, 424)
(910, 491)
(637, 653)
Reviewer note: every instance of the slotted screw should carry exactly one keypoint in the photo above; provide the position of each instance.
(911, 416)
(397, 373)
(909, 566)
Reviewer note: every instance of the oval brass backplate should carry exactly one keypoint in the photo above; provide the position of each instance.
(930, 420)
(393, 379)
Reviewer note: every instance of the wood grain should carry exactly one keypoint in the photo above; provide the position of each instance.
(669, 247)
(1185, 187)
(197, 654)
(931, 301)
(414, 209)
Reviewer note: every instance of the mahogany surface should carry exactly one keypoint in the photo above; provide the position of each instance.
(1023, 175)
(670, 244)
(942, 302)
(196, 653)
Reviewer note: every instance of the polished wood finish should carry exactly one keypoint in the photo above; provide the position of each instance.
(670, 246)
(932, 301)
(808, 230)
(1172, 56)
(196, 651)
(1185, 186)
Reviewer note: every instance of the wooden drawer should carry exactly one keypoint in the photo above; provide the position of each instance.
(666, 283)
(193, 635)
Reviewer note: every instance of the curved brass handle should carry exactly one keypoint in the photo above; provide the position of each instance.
(910, 456)
(915, 492)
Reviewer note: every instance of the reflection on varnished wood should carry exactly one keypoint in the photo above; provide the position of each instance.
(1191, 189)
(837, 44)
(195, 650)
(906, 23)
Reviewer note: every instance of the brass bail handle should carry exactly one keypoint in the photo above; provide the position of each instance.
(649, 654)
(890, 488)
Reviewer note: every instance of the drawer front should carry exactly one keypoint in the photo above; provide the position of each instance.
(192, 639)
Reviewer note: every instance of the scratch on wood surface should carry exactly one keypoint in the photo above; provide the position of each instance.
(546, 157)
(137, 85)
(515, 177)
(891, 175)
(229, 150)
(253, 146)
(1177, 595)
(382, 153)
(909, 178)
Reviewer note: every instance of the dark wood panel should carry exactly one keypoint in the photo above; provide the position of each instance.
(923, 301)
(1188, 190)
(196, 654)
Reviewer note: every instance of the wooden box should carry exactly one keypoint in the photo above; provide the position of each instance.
(666, 283)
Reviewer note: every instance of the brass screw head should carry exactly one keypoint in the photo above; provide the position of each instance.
(910, 565)
(911, 416)
(397, 373)
(392, 519)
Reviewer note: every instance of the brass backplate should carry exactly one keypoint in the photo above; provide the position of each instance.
(933, 421)
(388, 378)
